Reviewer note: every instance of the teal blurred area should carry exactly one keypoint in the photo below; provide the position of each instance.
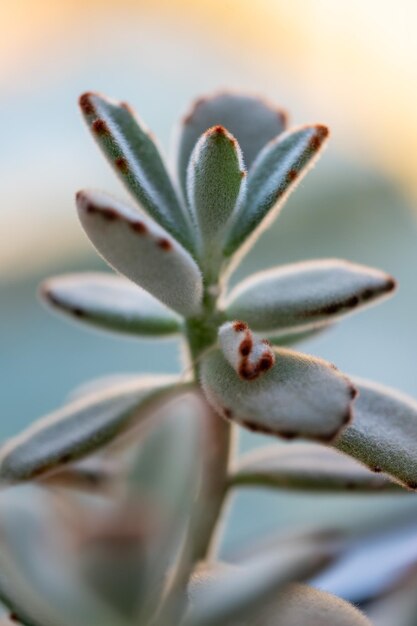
(343, 209)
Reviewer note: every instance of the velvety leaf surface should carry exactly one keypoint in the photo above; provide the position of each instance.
(109, 302)
(383, 433)
(214, 181)
(275, 173)
(307, 467)
(142, 251)
(251, 120)
(80, 428)
(305, 295)
(131, 150)
(237, 594)
(300, 396)
(249, 356)
(299, 605)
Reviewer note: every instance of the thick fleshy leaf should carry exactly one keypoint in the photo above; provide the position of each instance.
(300, 396)
(249, 356)
(81, 427)
(251, 120)
(299, 605)
(307, 467)
(177, 442)
(237, 594)
(275, 173)
(109, 302)
(37, 579)
(142, 251)
(305, 295)
(398, 606)
(132, 151)
(214, 182)
(383, 433)
(296, 336)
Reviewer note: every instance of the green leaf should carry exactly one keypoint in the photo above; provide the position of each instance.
(251, 120)
(131, 150)
(300, 605)
(240, 594)
(296, 336)
(215, 176)
(171, 486)
(307, 295)
(307, 467)
(50, 594)
(300, 396)
(274, 174)
(383, 432)
(138, 248)
(82, 427)
(109, 302)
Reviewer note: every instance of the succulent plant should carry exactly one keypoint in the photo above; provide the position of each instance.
(126, 483)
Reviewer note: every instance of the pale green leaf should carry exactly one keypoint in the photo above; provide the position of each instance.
(307, 467)
(109, 302)
(300, 396)
(299, 605)
(251, 120)
(241, 593)
(131, 150)
(383, 432)
(81, 427)
(306, 295)
(214, 182)
(141, 250)
(275, 173)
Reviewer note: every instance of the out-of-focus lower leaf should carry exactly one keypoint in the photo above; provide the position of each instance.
(307, 467)
(37, 579)
(299, 605)
(240, 594)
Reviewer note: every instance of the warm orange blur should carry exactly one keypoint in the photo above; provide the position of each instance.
(350, 63)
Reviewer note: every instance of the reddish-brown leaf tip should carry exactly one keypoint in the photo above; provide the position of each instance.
(239, 326)
(85, 103)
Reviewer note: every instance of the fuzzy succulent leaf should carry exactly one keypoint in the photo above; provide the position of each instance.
(300, 396)
(299, 604)
(307, 467)
(141, 250)
(241, 593)
(305, 295)
(177, 442)
(275, 173)
(109, 302)
(251, 120)
(383, 432)
(214, 182)
(296, 336)
(81, 427)
(131, 150)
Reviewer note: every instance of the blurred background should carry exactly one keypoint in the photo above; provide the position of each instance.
(350, 64)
